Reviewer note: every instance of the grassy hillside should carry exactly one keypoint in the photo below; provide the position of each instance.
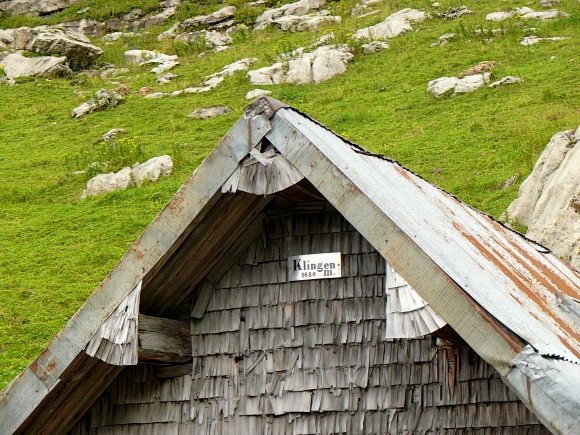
(55, 248)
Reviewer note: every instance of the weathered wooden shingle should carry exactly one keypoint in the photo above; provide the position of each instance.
(312, 356)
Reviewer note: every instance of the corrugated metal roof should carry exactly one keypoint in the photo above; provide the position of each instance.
(517, 282)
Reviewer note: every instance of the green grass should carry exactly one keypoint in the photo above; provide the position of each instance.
(55, 249)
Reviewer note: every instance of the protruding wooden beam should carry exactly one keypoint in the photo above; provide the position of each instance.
(164, 341)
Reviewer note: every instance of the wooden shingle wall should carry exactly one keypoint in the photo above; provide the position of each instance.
(273, 357)
(141, 400)
(311, 356)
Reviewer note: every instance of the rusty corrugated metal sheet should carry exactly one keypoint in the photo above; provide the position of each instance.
(517, 282)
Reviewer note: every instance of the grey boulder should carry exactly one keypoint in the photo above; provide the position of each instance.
(453, 85)
(150, 171)
(52, 41)
(317, 66)
(110, 182)
(16, 65)
(394, 25)
(548, 200)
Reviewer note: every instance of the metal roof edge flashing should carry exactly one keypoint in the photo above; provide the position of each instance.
(549, 388)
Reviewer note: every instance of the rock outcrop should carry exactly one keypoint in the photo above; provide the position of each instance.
(394, 25)
(548, 201)
(210, 39)
(16, 65)
(104, 99)
(53, 42)
(210, 81)
(221, 18)
(290, 12)
(204, 29)
(314, 67)
(302, 23)
(164, 62)
(85, 26)
(34, 7)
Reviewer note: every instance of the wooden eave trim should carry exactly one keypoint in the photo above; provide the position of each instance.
(492, 341)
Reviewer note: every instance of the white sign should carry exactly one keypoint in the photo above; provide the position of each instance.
(314, 266)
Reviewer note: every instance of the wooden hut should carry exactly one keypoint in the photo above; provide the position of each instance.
(297, 284)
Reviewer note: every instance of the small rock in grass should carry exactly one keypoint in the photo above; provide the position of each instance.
(498, 16)
(112, 134)
(296, 9)
(141, 57)
(104, 100)
(122, 90)
(509, 80)
(374, 47)
(548, 3)
(532, 40)
(323, 40)
(111, 72)
(257, 93)
(472, 82)
(543, 15)
(115, 36)
(525, 13)
(145, 90)
(210, 39)
(209, 112)
(481, 67)
(509, 182)
(444, 39)
(156, 95)
(453, 13)
(165, 78)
